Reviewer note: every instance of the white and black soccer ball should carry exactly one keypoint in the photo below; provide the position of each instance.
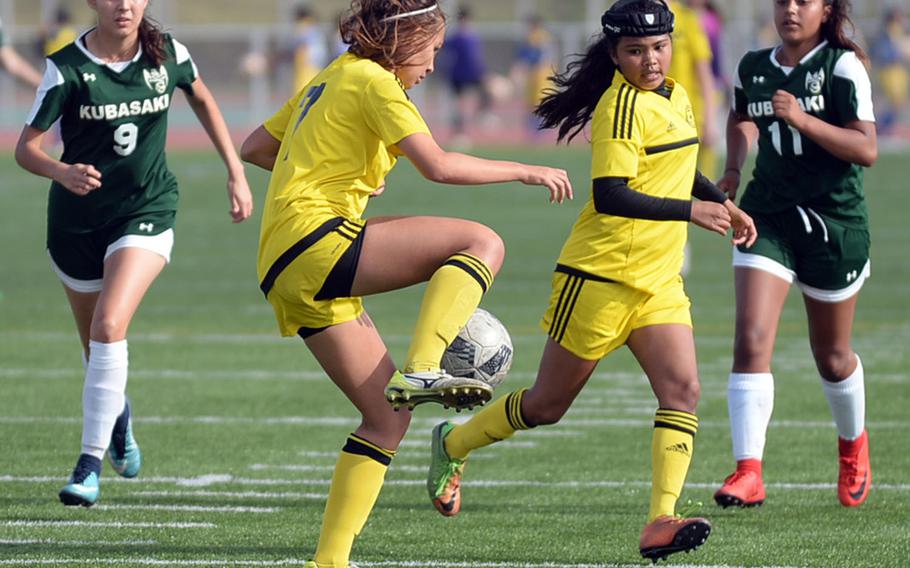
(482, 350)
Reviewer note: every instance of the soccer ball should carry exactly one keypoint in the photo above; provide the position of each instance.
(482, 350)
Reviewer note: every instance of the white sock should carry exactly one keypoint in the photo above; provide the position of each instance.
(847, 400)
(103, 394)
(750, 400)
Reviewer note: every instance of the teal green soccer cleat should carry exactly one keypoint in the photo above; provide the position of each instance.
(123, 453)
(82, 489)
(444, 477)
(407, 390)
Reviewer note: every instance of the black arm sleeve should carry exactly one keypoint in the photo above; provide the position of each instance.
(705, 190)
(613, 196)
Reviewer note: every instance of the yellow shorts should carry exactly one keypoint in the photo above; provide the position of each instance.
(591, 316)
(309, 285)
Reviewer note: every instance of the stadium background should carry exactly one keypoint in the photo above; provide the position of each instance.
(240, 429)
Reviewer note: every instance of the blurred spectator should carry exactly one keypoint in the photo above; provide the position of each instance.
(533, 67)
(891, 57)
(307, 49)
(691, 67)
(58, 33)
(713, 23)
(466, 71)
(13, 63)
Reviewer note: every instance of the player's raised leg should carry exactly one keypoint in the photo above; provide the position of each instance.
(560, 378)
(459, 259)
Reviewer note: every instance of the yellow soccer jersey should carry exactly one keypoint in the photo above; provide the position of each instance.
(690, 47)
(338, 141)
(652, 141)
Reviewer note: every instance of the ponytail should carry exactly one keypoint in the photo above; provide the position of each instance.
(152, 40)
(835, 29)
(571, 104)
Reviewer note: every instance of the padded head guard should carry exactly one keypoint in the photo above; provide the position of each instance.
(638, 18)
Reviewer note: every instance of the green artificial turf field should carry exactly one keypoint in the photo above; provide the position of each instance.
(239, 428)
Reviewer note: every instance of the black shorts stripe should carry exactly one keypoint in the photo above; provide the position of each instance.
(307, 332)
(672, 146)
(470, 270)
(564, 312)
(616, 112)
(569, 309)
(341, 232)
(296, 250)
(562, 268)
(661, 424)
(558, 309)
(358, 448)
(340, 280)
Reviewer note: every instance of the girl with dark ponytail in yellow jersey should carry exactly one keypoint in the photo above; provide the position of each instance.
(617, 280)
(329, 150)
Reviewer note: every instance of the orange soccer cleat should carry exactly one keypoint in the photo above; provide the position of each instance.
(855, 471)
(744, 487)
(666, 535)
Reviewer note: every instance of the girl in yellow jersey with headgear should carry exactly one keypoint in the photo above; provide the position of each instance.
(617, 279)
(330, 149)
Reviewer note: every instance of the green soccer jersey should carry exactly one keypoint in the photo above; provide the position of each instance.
(114, 117)
(830, 84)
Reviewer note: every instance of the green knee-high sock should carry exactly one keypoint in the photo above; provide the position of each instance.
(671, 453)
(494, 423)
(358, 478)
(452, 295)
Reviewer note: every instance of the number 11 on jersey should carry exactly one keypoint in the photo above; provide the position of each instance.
(777, 142)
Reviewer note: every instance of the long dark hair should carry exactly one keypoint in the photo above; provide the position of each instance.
(372, 31)
(835, 29)
(152, 40)
(571, 103)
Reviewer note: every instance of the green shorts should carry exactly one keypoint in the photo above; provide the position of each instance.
(829, 261)
(78, 258)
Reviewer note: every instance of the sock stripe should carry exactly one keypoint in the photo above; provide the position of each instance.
(477, 263)
(513, 410)
(470, 270)
(360, 447)
(676, 417)
(671, 426)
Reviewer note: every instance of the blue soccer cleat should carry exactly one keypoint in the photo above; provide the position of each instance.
(83, 488)
(123, 453)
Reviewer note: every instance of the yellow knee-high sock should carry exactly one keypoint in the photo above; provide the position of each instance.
(359, 474)
(494, 423)
(452, 295)
(671, 453)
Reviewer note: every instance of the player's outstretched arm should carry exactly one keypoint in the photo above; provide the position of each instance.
(18, 67)
(80, 179)
(260, 149)
(203, 104)
(454, 168)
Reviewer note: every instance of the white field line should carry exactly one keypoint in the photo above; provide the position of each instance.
(132, 561)
(188, 508)
(309, 467)
(290, 495)
(32, 542)
(352, 422)
(113, 524)
(488, 455)
(481, 483)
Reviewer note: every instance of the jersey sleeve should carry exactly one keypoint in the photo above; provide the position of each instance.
(389, 113)
(616, 135)
(740, 101)
(852, 89)
(187, 73)
(277, 125)
(50, 99)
